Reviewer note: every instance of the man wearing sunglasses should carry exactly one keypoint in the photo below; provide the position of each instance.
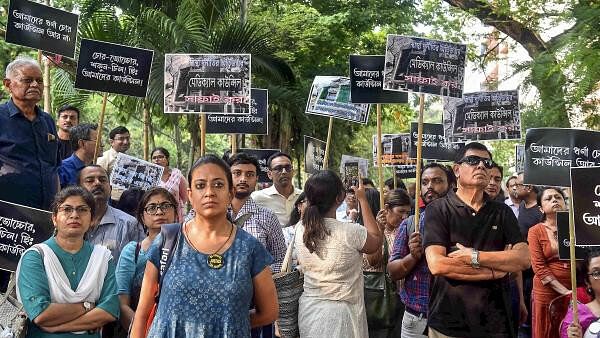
(471, 244)
(282, 195)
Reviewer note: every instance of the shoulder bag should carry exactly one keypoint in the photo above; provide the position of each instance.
(380, 296)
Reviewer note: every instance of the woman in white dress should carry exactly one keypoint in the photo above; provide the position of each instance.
(330, 253)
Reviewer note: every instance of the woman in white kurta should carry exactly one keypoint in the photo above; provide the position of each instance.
(330, 253)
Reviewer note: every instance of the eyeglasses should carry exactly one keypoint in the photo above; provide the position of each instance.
(474, 160)
(279, 168)
(152, 209)
(595, 275)
(80, 210)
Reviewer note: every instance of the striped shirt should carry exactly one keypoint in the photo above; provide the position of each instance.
(265, 227)
(115, 230)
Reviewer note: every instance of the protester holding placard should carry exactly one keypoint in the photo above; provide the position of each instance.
(172, 179)
(84, 138)
(66, 284)
(552, 276)
(157, 207)
(119, 143)
(471, 244)
(68, 117)
(330, 252)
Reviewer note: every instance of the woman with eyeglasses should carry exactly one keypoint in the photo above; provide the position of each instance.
(67, 285)
(157, 207)
(552, 276)
(172, 179)
(588, 324)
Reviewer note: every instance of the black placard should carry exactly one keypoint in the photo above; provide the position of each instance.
(42, 27)
(435, 145)
(255, 123)
(207, 83)
(551, 152)
(562, 227)
(585, 188)
(405, 171)
(129, 172)
(424, 66)
(262, 155)
(20, 228)
(112, 68)
(366, 81)
(396, 149)
(483, 116)
(314, 153)
(330, 96)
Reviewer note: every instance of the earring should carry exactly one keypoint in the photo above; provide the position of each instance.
(590, 291)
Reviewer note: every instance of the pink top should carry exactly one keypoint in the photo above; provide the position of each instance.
(586, 317)
(176, 185)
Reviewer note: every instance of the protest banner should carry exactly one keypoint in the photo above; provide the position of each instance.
(405, 171)
(366, 81)
(20, 228)
(435, 144)
(519, 158)
(551, 152)
(314, 154)
(113, 68)
(424, 66)
(585, 187)
(363, 164)
(483, 116)
(562, 227)
(207, 83)
(42, 27)
(129, 172)
(262, 155)
(330, 96)
(350, 174)
(395, 149)
(255, 123)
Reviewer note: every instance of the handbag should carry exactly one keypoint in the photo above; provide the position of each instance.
(380, 296)
(290, 285)
(14, 319)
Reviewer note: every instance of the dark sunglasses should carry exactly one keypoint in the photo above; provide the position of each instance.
(474, 160)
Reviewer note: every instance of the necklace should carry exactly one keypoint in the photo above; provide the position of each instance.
(214, 260)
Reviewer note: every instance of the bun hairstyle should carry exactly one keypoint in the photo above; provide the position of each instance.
(322, 190)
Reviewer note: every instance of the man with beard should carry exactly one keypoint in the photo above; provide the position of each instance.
(407, 261)
(281, 196)
(471, 244)
(512, 200)
(68, 117)
(111, 227)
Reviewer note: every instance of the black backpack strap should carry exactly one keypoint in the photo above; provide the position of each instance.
(138, 247)
(242, 219)
(170, 239)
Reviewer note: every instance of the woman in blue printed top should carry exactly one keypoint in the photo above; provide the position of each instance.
(216, 272)
(157, 207)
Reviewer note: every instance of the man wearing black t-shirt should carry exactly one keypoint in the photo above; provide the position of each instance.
(471, 244)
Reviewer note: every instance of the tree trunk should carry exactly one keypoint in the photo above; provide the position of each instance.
(177, 141)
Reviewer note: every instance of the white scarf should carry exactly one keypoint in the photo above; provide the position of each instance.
(90, 285)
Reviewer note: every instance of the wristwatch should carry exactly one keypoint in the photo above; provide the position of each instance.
(87, 306)
(475, 259)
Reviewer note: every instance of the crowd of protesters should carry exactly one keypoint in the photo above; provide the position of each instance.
(194, 257)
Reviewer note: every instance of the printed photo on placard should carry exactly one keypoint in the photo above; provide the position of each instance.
(551, 152)
(396, 149)
(366, 81)
(113, 68)
(314, 154)
(129, 172)
(42, 27)
(424, 66)
(435, 146)
(363, 164)
(483, 116)
(207, 83)
(262, 155)
(255, 123)
(519, 158)
(330, 96)
(585, 192)
(20, 228)
(350, 177)
(562, 227)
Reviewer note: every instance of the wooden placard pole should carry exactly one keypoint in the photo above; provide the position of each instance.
(233, 143)
(146, 130)
(419, 156)
(395, 179)
(100, 126)
(202, 134)
(46, 75)
(379, 153)
(326, 157)
(572, 257)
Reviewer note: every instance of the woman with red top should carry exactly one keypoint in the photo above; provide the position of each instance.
(552, 277)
